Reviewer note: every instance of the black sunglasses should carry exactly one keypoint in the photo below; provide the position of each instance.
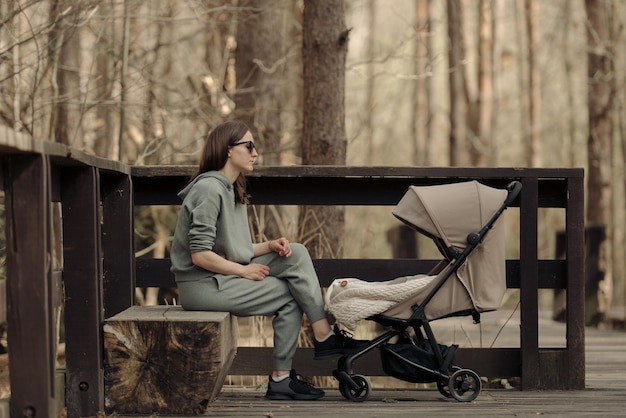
(248, 144)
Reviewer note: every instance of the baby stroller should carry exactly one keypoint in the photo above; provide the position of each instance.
(461, 218)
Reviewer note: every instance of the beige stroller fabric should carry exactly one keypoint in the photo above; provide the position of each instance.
(447, 213)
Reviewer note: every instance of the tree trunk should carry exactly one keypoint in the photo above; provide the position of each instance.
(68, 115)
(619, 221)
(457, 80)
(600, 132)
(479, 101)
(324, 50)
(370, 100)
(485, 84)
(104, 67)
(259, 64)
(420, 128)
(533, 154)
(525, 119)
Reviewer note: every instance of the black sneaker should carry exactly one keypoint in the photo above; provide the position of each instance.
(340, 344)
(294, 387)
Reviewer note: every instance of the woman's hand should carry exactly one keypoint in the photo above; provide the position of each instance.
(213, 262)
(280, 246)
(254, 271)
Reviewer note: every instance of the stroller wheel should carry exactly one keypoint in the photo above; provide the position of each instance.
(444, 389)
(358, 394)
(464, 385)
(442, 386)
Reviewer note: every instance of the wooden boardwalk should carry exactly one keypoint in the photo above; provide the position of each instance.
(604, 396)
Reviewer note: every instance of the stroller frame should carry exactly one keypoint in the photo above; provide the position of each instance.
(464, 385)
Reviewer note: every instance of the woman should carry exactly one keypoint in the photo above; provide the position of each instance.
(218, 268)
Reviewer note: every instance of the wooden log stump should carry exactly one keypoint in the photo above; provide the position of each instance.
(165, 360)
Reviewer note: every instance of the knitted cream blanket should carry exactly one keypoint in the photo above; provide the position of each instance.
(351, 300)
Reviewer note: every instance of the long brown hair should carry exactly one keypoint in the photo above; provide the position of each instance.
(215, 153)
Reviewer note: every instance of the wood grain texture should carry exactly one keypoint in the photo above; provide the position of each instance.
(166, 360)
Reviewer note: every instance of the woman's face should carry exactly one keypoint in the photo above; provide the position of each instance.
(243, 154)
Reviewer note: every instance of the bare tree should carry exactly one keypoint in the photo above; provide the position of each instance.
(266, 52)
(619, 37)
(599, 147)
(421, 123)
(368, 122)
(480, 107)
(457, 80)
(534, 83)
(324, 49)
(259, 64)
(66, 63)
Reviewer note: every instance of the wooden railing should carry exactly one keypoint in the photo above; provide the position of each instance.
(99, 272)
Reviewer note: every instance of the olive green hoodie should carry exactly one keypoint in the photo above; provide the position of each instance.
(209, 220)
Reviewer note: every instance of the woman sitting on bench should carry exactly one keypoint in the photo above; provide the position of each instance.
(218, 268)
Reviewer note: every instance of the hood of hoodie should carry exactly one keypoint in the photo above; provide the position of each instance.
(215, 174)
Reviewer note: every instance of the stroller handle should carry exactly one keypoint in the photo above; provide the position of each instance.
(514, 188)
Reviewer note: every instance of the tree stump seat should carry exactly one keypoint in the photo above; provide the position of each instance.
(165, 360)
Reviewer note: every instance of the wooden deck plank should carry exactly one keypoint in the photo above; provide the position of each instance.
(604, 395)
(402, 403)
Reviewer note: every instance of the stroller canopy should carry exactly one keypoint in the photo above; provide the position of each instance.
(449, 213)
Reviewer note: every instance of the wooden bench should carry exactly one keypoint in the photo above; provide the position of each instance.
(165, 360)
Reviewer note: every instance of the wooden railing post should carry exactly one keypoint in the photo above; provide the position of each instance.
(82, 274)
(575, 294)
(29, 278)
(529, 283)
(117, 243)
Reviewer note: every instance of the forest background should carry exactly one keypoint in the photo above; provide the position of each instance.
(493, 83)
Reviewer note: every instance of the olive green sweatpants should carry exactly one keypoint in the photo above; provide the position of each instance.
(291, 289)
